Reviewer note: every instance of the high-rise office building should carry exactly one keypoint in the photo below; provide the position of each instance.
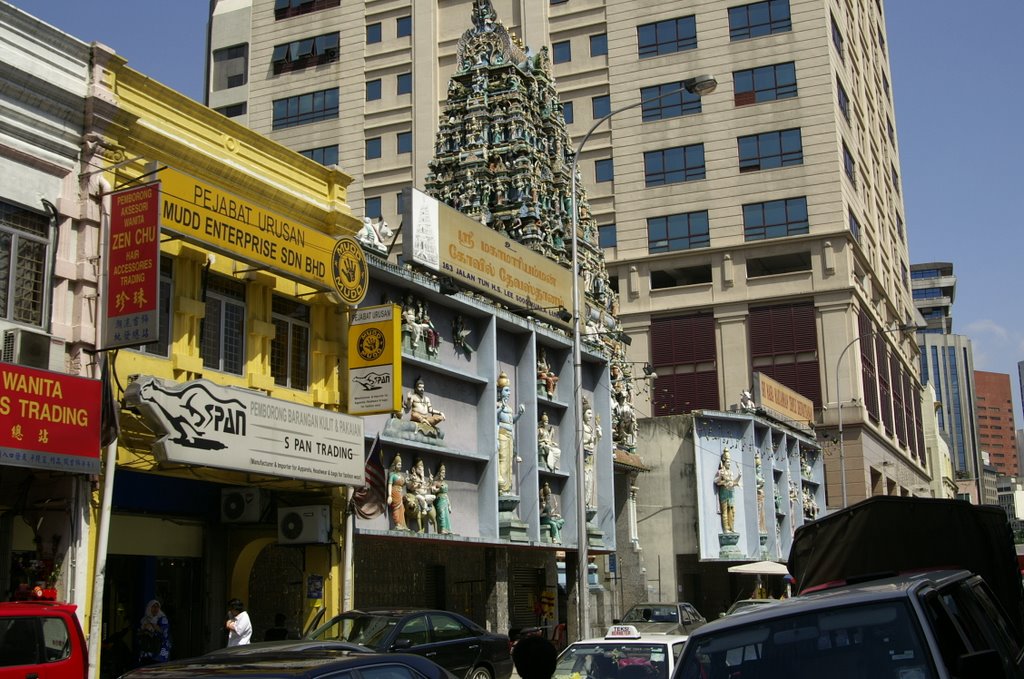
(947, 363)
(994, 405)
(756, 228)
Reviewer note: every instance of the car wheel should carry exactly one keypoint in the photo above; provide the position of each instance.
(479, 672)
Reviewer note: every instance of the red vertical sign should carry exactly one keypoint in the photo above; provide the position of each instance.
(133, 268)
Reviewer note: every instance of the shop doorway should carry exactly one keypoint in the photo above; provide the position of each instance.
(131, 582)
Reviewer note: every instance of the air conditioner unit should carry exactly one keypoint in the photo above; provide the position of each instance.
(303, 525)
(26, 348)
(242, 505)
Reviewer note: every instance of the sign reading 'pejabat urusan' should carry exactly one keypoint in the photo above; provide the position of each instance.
(201, 423)
(214, 218)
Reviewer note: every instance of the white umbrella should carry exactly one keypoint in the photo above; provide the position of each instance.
(761, 568)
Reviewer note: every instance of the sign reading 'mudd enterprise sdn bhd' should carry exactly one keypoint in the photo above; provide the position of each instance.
(213, 218)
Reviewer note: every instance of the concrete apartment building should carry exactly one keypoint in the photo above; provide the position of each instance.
(996, 429)
(757, 228)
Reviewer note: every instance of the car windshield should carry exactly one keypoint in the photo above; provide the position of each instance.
(651, 614)
(357, 628)
(613, 660)
(873, 640)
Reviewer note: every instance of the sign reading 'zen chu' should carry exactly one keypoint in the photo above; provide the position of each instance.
(201, 423)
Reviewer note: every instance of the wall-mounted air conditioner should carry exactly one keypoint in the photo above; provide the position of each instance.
(242, 505)
(303, 525)
(28, 348)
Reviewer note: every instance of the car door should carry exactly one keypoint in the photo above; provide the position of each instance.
(685, 620)
(455, 647)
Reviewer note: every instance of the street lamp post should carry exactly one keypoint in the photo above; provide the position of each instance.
(839, 400)
(700, 85)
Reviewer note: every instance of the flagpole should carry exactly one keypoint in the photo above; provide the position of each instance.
(100, 567)
(349, 560)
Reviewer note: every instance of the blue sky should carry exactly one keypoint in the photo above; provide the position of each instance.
(956, 82)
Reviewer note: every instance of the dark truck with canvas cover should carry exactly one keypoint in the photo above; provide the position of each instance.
(890, 588)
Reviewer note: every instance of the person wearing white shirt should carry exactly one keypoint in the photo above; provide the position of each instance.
(238, 625)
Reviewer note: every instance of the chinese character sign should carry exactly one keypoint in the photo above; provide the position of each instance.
(49, 420)
(133, 268)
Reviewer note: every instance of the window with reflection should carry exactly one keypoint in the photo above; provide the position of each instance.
(289, 350)
(223, 327)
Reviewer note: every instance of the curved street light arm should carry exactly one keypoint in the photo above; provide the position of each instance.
(698, 84)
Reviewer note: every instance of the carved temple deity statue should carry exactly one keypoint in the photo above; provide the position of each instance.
(420, 496)
(508, 415)
(591, 437)
(442, 503)
(626, 426)
(375, 236)
(417, 328)
(759, 482)
(421, 411)
(546, 377)
(548, 450)
(726, 482)
(396, 493)
(549, 514)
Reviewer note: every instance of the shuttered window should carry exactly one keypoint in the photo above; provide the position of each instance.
(919, 429)
(869, 380)
(884, 388)
(896, 380)
(784, 346)
(683, 354)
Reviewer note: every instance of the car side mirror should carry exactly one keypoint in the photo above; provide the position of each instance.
(401, 644)
(980, 665)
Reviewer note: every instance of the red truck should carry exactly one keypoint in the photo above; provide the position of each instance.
(41, 640)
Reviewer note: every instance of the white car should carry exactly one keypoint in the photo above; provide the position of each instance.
(624, 653)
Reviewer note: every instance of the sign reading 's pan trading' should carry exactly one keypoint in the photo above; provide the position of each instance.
(236, 227)
(455, 245)
(201, 423)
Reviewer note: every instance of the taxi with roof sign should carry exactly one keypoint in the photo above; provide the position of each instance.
(623, 653)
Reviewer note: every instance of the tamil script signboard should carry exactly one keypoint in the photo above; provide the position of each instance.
(49, 420)
(471, 254)
(133, 268)
(201, 423)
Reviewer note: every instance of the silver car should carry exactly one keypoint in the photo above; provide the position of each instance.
(675, 617)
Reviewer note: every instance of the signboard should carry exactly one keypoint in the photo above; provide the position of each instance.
(206, 215)
(49, 420)
(375, 360)
(452, 244)
(201, 423)
(133, 268)
(314, 587)
(782, 402)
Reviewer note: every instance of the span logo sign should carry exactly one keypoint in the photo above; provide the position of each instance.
(375, 360)
(205, 424)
